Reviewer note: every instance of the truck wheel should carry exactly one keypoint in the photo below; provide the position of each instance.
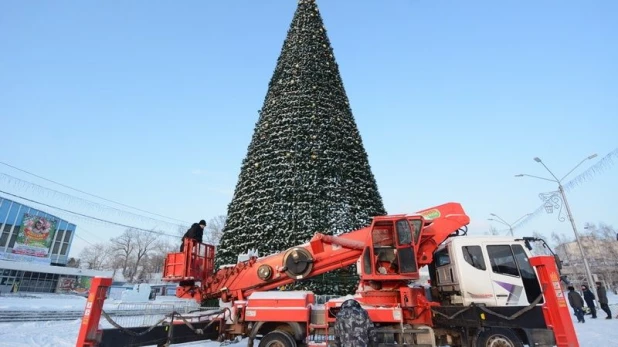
(277, 338)
(498, 337)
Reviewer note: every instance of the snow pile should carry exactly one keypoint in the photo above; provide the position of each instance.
(140, 293)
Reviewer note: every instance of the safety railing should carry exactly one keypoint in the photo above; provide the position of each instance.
(195, 262)
(144, 314)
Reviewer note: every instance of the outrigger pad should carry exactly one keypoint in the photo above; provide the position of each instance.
(158, 336)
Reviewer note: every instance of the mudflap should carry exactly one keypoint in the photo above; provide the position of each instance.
(158, 336)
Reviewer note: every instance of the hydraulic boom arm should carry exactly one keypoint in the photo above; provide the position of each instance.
(404, 239)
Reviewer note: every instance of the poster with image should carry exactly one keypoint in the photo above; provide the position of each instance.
(35, 236)
(65, 285)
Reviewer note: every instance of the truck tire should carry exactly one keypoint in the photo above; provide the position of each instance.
(498, 337)
(278, 338)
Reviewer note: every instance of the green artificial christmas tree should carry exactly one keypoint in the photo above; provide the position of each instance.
(306, 170)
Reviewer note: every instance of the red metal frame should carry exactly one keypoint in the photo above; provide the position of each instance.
(196, 262)
(89, 333)
(555, 309)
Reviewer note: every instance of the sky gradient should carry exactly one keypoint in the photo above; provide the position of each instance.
(153, 104)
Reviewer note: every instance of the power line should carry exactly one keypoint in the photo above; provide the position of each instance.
(90, 233)
(16, 180)
(83, 239)
(83, 192)
(90, 217)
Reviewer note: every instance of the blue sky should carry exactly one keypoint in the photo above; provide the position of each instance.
(153, 104)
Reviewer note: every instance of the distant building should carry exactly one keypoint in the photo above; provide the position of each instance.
(34, 249)
(602, 256)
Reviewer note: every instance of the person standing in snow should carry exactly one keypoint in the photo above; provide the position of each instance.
(196, 232)
(589, 299)
(603, 300)
(577, 303)
(353, 327)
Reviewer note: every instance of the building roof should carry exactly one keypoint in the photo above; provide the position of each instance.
(61, 270)
(35, 211)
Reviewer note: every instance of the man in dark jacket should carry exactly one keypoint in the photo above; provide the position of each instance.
(589, 299)
(353, 327)
(603, 300)
(577, 303)
(195, 232)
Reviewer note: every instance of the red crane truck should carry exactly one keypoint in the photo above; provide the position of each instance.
(485, 291)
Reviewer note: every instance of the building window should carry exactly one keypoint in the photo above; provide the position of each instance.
(5, 235)
(58, 242)
(65, 242)
(38, 282)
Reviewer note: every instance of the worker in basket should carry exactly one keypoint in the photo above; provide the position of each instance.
(195, 232)
(353, 327)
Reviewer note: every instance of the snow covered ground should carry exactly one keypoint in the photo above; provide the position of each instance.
(594, 333)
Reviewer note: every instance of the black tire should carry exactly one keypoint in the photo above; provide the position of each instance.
(278, 338)
(498, 337)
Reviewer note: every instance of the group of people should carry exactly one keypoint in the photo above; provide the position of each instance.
(577, 302)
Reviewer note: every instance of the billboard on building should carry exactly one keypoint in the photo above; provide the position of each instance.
(35, 236)
(34, 239)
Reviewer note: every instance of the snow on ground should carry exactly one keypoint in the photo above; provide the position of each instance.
(42, 302)
(593, 333)
(69, 302)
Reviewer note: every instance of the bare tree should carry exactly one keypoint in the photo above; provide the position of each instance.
(181, 231)
(603, 251)
(144, 242)
(155, 259)
(95, 257)
(114, 262)
(123, 247)
(492, 231)
(214, 230)
(538, 248)
(559, 239)
(73, 262)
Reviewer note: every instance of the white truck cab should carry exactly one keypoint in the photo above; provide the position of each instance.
(490, 270)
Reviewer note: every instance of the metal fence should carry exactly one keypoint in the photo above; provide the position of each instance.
(138, 314)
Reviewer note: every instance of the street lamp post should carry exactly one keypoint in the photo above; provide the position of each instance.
(510, 225)
(570, 215)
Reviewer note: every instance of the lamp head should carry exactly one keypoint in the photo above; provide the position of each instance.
(592, 156)
(537, 159)
(520, 175)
